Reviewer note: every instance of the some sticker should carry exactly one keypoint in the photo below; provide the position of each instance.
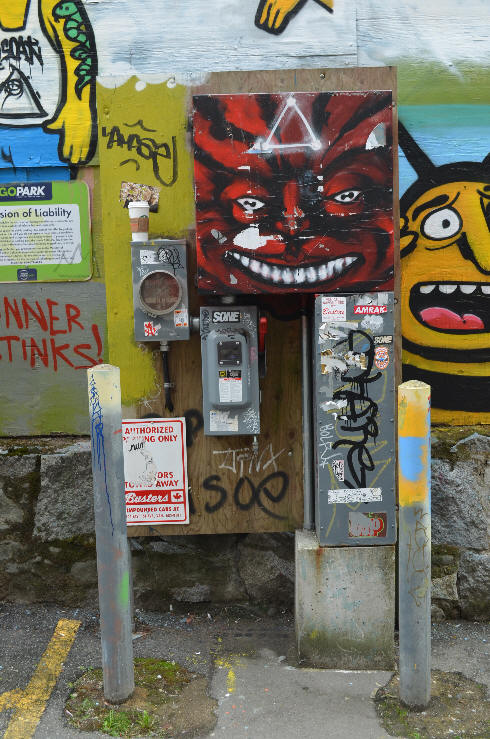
(181, 318)
(381, 357)
(150, 329)
(354, 495)
(222, 421)
(383, 339)
(367, 524)
(333, 308)
(338, 468)
(148, 256)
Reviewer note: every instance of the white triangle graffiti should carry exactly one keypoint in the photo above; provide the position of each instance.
(309, 140)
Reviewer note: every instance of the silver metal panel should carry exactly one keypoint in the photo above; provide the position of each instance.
(168, 255)
(353, 350)
(230, 370)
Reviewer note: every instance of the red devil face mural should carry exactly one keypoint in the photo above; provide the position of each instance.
(293, 192)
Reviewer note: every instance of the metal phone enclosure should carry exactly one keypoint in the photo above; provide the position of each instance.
(160, 295)
(230, 370)
(354, 419)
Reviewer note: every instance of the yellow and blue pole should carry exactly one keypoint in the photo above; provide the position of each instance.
(414, 542)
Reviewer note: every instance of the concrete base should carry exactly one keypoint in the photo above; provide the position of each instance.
(345, 605)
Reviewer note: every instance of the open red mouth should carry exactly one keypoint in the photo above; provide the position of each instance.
(452, 307)
(303, 275)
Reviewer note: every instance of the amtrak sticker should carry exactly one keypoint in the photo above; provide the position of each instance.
(381, 357)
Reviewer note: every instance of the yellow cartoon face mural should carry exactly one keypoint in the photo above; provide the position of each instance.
(445, 249)
(48, 67)
(273, 16)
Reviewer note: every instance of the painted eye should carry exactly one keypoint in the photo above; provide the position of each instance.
(250, 204)
(441, 224)
(347, 196)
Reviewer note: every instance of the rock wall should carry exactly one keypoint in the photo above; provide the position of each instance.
(47, 545)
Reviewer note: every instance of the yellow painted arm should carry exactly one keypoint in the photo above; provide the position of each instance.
(67, 26)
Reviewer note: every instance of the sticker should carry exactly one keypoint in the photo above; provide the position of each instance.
(230, 386)
(148, 256)
(383, 339)
(333, 308)
(26, 274)
(354, 495)
(222, 421)
(381, 357)
(131, 191)
(338, 469)
(155, 471)
(370, 310)
(150, 329)
(367, 524)
(226, 316)
(181, 318)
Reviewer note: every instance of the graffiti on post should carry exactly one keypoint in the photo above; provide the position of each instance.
(48, 67)
(445, 249)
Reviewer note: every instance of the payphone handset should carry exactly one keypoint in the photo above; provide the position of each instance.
(160, 298)
(230, 370)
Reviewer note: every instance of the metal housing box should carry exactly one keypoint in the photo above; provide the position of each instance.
(230, 370)
(163, 261)
(353, 347)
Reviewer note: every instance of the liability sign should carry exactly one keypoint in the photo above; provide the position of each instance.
(155, 471)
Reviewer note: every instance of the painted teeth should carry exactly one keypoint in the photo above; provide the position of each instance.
(449, 288)
(298, 276)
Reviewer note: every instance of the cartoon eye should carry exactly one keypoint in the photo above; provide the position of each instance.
(347, 196)
(249, 204)
(441, 224)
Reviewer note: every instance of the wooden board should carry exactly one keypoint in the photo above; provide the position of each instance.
(234, 487)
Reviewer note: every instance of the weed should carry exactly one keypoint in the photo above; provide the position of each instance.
(146, 721)
(116, 723)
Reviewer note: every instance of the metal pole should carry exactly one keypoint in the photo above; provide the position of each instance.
(104, 392)
(414, 542)
(306, 364)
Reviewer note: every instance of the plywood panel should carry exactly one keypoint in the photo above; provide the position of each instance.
(234, 486)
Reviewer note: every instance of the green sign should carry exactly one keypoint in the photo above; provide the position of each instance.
(44, 232)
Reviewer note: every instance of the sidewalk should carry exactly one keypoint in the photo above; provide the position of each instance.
(248, 659)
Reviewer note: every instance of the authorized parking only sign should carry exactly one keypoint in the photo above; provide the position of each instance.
(155, 471)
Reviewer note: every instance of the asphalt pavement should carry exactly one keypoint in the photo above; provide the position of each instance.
(247, 656)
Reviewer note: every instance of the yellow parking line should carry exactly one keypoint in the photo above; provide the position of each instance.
(30, 703)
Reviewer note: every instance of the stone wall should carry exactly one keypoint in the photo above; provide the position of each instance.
(47, 544)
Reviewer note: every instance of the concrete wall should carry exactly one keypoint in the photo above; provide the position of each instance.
(47, 549)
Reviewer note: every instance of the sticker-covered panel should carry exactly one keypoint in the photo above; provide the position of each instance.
(294, 192)
(354, 419)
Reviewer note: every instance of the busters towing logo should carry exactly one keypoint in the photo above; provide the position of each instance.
(226, 316)
(370, 310)
(26, 191)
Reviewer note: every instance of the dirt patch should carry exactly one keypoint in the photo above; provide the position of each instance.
(168, 700)
(459, 707)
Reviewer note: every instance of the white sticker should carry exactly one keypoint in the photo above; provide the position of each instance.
(333, 308)
(181, 318)
(222, 421)
(355, 495)
(148, 257)
(338, 469)
(155, 471)
(230, 389)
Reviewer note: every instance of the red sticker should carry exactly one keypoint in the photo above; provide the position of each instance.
(381, 357)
